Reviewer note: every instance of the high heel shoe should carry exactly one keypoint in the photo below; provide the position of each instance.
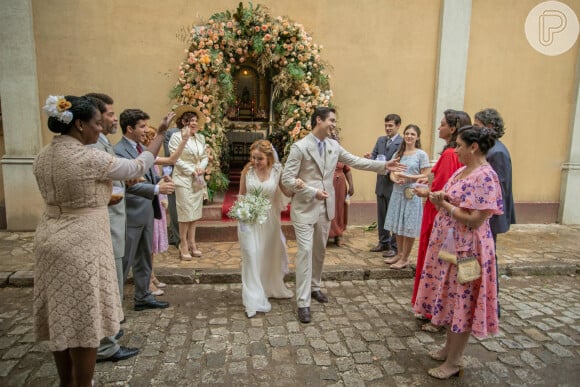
(439, 373)
(184, 257)
(156, 292)
(398, 266)
(158, 283)
(194, 252)
(390, 261)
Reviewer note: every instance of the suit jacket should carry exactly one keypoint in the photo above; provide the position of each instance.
(142, 205)
(117, 216)
(317, 172)
(499, 159)
(168, 134)
(384, 185)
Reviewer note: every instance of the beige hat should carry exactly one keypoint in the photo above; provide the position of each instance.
(181, 109)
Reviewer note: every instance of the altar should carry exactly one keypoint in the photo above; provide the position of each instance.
(240, 137)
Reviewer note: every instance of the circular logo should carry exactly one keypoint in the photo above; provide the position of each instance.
(552, 28)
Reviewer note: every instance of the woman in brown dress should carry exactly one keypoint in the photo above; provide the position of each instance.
(342, 176)
(76, 295)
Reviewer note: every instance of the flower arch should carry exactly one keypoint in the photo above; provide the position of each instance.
(278, 45)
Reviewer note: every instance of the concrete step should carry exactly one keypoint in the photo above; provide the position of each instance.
(227, 231)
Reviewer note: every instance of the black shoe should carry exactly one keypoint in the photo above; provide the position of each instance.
(154, 304)
(319, 296)
(389, 253)
(379, 247)
(122, 354)
(304, 315)
(119, 334)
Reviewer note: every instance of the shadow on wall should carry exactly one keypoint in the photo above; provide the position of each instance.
(2, 201)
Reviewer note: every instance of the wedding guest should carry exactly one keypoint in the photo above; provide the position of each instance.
(264, 256)
(313, 161)
(445, 166)
(160, 237)
(76, 295)
(405, 208)
(384, 149)
(188, 174)
(109, 349)
(500, 160)
(470, 197)
(343, 186)
(142, 207)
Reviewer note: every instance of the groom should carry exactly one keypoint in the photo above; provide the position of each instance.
(313, 160)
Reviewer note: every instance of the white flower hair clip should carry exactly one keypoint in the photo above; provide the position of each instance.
(57, 106)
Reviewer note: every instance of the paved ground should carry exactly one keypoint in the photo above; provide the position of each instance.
(366, 335)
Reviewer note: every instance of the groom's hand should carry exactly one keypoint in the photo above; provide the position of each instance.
(321, 195)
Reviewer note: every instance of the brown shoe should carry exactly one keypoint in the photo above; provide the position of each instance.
(389, 253)
(304, 315)
(379, 248)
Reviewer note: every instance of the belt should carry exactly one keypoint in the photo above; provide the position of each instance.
(56, 211)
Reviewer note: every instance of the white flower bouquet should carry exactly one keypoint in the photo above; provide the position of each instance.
(251, 208)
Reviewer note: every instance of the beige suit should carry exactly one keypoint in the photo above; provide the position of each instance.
(311, 217)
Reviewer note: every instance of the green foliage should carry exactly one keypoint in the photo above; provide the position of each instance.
(218, 182)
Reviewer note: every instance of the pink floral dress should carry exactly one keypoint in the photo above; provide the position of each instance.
(471, 306)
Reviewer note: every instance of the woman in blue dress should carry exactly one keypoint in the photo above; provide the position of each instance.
(405, 208)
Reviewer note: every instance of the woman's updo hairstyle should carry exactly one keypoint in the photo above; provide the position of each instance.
(82, 108)
(484, 137)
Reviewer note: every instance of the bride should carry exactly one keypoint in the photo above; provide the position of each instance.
(264, 257)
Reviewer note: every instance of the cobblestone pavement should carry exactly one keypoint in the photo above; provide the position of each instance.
(365, 336)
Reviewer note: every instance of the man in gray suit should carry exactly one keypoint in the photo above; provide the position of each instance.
(173, 226)
(313, 160)
(385, 148)
(142, 206)
(109, 348)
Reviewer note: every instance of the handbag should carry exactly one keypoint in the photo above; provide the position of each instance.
(468, 269)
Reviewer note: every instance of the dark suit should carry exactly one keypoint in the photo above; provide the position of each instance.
(384, 187)
(173, 227)
(499, 159)
(141, 206)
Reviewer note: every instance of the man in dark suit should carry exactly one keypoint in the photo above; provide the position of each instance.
(142, 206)
(500, 160)
(385, 148)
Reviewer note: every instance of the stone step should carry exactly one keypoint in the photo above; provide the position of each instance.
(227, 231)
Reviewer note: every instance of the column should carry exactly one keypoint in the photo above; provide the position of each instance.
(569, 212)
(20, 114)
(452, 64)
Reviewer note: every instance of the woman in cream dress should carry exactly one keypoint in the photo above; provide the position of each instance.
(189, 178)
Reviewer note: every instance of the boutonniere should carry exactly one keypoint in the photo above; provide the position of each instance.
(329, 151)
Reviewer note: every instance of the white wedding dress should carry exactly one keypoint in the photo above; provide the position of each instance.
(264, 256)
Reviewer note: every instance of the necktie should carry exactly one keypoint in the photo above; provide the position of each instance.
(389, 141)
(321, 148)
(139, 148)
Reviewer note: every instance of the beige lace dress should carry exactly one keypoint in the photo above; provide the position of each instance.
(76, 295)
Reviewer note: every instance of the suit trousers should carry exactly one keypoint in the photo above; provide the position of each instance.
(173, 226)
(311, 240)
(386, 238)
(138, 245)
(109, 345)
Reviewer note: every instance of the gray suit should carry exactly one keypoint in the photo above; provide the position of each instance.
(311, 217)
(117, 222)
(173, 227)
(384, 187)
(140, 208)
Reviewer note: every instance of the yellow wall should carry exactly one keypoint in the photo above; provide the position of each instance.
(382, 61)
(533, 92)
(383, 55)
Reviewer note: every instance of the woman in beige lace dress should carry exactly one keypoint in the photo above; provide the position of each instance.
(76, 295)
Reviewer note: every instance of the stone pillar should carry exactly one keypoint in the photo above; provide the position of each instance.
(20, 114)
(569, 212)
(452, 65)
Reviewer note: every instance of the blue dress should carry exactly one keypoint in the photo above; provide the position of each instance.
(404, 215)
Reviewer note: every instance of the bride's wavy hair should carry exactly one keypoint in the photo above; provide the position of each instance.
(266, 148)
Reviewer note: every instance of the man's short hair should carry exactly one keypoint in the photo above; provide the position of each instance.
(393, 117)
(323, 112)
(130, 117)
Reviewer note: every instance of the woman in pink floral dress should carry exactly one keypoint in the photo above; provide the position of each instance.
(470, 197)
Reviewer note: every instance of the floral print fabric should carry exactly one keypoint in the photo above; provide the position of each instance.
(471, 306)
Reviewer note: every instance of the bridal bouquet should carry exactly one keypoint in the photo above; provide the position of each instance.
(251, 208)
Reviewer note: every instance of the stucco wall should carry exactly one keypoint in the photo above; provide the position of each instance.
(383, 55)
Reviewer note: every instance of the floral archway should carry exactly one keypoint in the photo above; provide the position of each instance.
(278, 45)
